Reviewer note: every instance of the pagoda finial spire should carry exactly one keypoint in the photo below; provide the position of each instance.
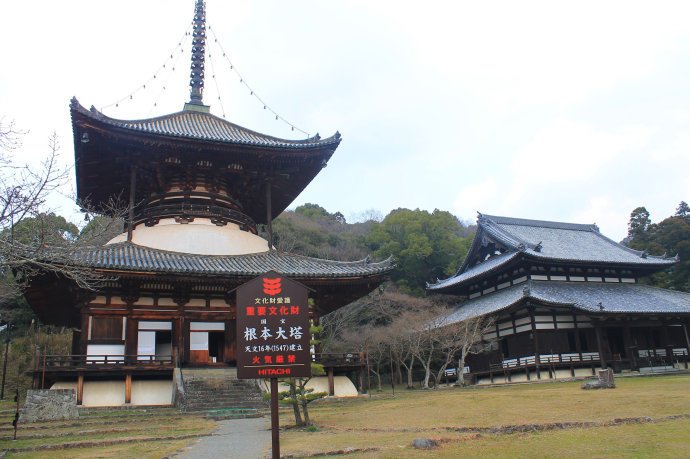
(196, 81)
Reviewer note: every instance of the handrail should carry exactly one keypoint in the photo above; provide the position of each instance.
(52, 361)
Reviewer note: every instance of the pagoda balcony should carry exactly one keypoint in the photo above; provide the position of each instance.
(85, 364)
(185, 212)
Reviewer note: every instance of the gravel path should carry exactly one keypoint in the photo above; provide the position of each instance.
(234, 438)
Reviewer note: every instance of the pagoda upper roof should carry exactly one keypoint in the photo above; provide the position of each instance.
(546, 242)
(588, 297)
(129, 257)
(198, 144)
(197, 125)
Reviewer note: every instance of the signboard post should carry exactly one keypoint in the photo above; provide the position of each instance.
(273, 335)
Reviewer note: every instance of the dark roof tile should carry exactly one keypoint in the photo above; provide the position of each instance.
(131, 257)
(584, 296)
(203, 126)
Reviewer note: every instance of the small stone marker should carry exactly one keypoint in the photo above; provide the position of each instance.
(605, 381)
(424, 443)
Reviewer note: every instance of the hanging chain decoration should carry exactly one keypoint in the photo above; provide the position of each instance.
(167, 79)
(215, 82)
(253, 93)
(174, 55)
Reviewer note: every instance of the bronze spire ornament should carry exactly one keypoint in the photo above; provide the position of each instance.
(196, 81)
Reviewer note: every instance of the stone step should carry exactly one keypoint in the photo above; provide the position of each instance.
(220, 391)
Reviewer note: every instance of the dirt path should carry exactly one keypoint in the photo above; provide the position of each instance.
(234, 438)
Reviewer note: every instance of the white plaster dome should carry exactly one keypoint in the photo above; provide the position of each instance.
(198, 237)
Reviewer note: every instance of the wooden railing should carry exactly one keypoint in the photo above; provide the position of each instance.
(97, 360)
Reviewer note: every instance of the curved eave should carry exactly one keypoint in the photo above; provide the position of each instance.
(486, 268)
(131, 258)
(656, 264)
(589, 298)
(202, 127)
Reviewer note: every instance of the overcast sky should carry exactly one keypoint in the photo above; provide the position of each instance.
(576, 111)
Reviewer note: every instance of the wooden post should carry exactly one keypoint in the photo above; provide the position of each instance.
(128, 388)
(185, 340)
(627, 343)
(229, 351)
(269, 211)
(131, 340)
(80, 389)
(275, 423)
(331, 382)
(84, 332)
(537, 360)
(4, 365)
(130, 217)
(602, 357)
(178, 342)
(667, 342)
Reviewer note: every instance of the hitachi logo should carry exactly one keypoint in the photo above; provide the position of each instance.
(274, 372)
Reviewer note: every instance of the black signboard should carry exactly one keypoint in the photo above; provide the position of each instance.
(273, 328)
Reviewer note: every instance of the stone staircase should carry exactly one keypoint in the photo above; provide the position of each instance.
(219, 394)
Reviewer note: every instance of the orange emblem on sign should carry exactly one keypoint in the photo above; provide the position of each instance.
(272, 287)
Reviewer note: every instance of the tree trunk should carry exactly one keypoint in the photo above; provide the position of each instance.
(410, 368)
(305, 410)
(295, 403)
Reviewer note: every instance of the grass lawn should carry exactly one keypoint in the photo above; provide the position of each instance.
(114, 433)
(390, 423)
(509, 421)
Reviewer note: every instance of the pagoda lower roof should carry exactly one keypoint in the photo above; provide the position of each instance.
(588, 297)
(128, 257)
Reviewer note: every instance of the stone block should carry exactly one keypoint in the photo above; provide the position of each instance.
(49, 405)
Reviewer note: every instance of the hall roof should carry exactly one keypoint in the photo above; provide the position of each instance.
(545, 242)
(588, 297)
(129, 257)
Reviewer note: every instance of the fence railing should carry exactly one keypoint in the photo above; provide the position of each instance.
(100, 360)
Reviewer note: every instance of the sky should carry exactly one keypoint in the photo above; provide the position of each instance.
(564, 111)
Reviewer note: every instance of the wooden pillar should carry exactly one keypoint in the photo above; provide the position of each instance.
(128, 388)
(130, 217)
(331, 382)
(269, 219)
(131, 339)
(600, 348)
(177, 341)
(230, 350)
(535, 339)
(84, 332)
(185, 340)
(80, 388)
(666, 342)
(627, 343)
(687, 344)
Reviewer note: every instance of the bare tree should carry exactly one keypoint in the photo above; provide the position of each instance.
(24, 190)
(459, 339)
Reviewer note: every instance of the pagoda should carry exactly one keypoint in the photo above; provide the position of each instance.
(565, 300)
(197, 186)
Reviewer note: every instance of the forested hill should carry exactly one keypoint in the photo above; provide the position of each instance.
(425, 245)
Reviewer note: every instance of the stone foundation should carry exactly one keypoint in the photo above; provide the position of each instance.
(49, 405)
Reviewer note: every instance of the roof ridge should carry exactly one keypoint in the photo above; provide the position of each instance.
(499, 220)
